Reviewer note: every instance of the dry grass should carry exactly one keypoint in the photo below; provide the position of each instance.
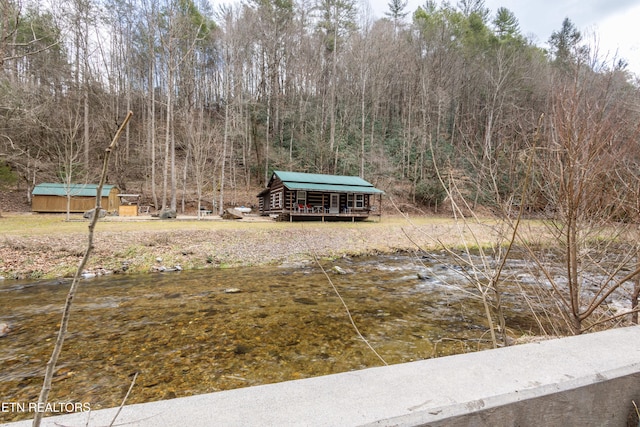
(28, 224)
(46, 246)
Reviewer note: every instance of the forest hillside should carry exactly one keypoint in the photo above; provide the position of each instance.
(443, 102)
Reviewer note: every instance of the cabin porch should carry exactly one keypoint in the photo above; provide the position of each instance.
(322, 206)
(319, 213)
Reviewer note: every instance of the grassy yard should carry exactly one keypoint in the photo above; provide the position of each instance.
(46, 246)
(27, 224)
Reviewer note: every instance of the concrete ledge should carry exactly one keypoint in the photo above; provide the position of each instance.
(588, 380)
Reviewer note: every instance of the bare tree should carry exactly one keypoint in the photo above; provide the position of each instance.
(204, 151)
(69, 150)
(588, 135)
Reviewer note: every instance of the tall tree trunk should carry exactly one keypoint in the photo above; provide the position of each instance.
(185, 171)
(167, 135)
(363, 76)
(174, 180)
(223, 166)
(332, 99)
(86, 130)
(152, 133)
(85, 89)
(167, 145)
(266, 136)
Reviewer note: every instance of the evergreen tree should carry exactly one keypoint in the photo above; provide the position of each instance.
(506, 24)
(397, 10)
(565, 44)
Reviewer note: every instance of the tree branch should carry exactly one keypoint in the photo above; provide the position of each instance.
(51, 364)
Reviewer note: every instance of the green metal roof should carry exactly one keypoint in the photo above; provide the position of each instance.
(82, 190)
(328, 183)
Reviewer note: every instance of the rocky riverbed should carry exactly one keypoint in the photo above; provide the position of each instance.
(201, 331)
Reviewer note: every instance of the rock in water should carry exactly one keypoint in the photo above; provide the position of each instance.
(305, 301)
(4, 330)
(339, 270)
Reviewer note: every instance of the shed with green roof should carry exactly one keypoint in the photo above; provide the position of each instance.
(297, 195)
(52, 197)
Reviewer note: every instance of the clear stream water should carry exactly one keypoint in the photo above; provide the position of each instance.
(184, 334)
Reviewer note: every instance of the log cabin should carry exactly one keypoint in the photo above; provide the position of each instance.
(297, 196)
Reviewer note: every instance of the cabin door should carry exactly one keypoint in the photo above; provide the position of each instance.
(334, 203)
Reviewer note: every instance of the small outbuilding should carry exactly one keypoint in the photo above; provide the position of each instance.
(52, 197)
(296, 195)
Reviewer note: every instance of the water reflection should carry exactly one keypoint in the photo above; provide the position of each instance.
(185, 335)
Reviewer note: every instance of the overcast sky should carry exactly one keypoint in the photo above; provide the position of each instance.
(615, 22)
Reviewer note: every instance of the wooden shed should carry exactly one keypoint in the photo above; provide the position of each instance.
(295, 195)
(52, 197)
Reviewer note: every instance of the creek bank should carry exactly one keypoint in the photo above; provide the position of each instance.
(57, 255)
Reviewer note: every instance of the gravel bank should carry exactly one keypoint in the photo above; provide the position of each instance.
(199, 244)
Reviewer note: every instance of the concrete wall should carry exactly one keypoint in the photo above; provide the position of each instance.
(588, 380)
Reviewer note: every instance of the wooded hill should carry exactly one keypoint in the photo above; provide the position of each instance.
(443, 98)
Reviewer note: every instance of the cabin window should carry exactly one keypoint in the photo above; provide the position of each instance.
(359, 201)
(276, 200)
(350, 201)
(302, 197)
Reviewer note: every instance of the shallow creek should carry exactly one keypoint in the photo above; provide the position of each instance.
(184, 333)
